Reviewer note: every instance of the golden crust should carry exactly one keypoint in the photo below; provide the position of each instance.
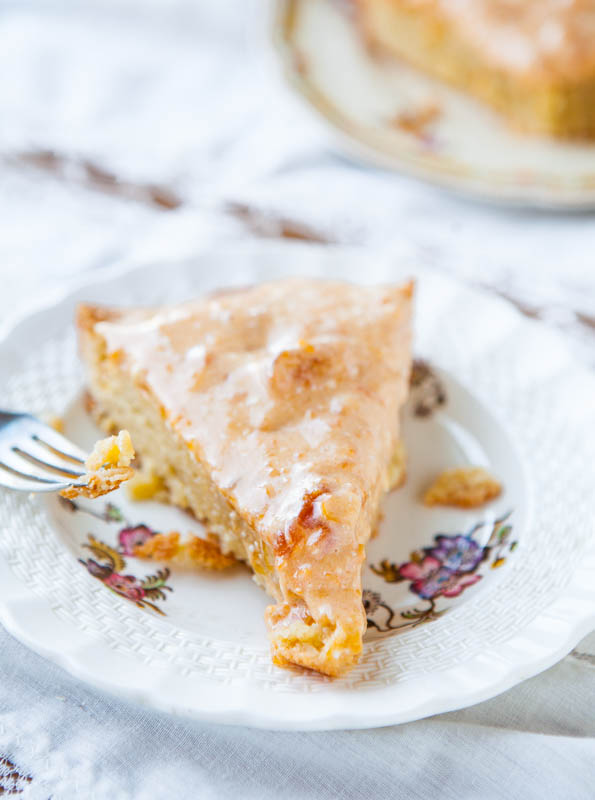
(465, 487)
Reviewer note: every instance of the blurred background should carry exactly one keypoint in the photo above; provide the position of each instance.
(145, 129)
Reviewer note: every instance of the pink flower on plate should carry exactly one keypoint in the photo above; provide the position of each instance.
(131, 538)
(126, 585)
(431, 579)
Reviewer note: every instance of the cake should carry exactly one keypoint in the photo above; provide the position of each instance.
(272, 414)
(531, 60)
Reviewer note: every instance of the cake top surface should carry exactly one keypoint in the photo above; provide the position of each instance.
(283, 389)
(532, 37)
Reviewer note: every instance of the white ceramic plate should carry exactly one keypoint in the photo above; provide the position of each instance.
(466, 147)
(489, 597)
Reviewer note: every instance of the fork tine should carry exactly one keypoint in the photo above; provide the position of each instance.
(42, 457)
(12, 459)
(53, 440)
(35, 458)
(27, 483)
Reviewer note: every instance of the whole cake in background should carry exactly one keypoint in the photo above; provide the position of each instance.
(531, 60)
(272, 413)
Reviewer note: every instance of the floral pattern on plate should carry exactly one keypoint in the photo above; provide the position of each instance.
(444, 569)
(108, 563)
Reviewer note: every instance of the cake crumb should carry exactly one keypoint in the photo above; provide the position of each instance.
(107, 467)
(465, 487)
(193, 552)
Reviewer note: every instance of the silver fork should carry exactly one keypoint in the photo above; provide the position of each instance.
(35, 458)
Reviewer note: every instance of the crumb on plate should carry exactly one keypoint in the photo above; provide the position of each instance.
(193, 552)
(466, 487)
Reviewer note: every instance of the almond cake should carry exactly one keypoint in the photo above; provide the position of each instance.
(272, 413)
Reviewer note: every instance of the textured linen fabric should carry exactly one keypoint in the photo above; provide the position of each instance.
(182, 96)
(537, 740)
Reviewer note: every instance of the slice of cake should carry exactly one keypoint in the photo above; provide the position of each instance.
(272, 413)
(532, 60)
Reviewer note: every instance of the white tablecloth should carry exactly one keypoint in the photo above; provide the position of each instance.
(131, 130)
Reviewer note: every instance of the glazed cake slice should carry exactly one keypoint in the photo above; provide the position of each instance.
(532, 60)
(272, 413)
